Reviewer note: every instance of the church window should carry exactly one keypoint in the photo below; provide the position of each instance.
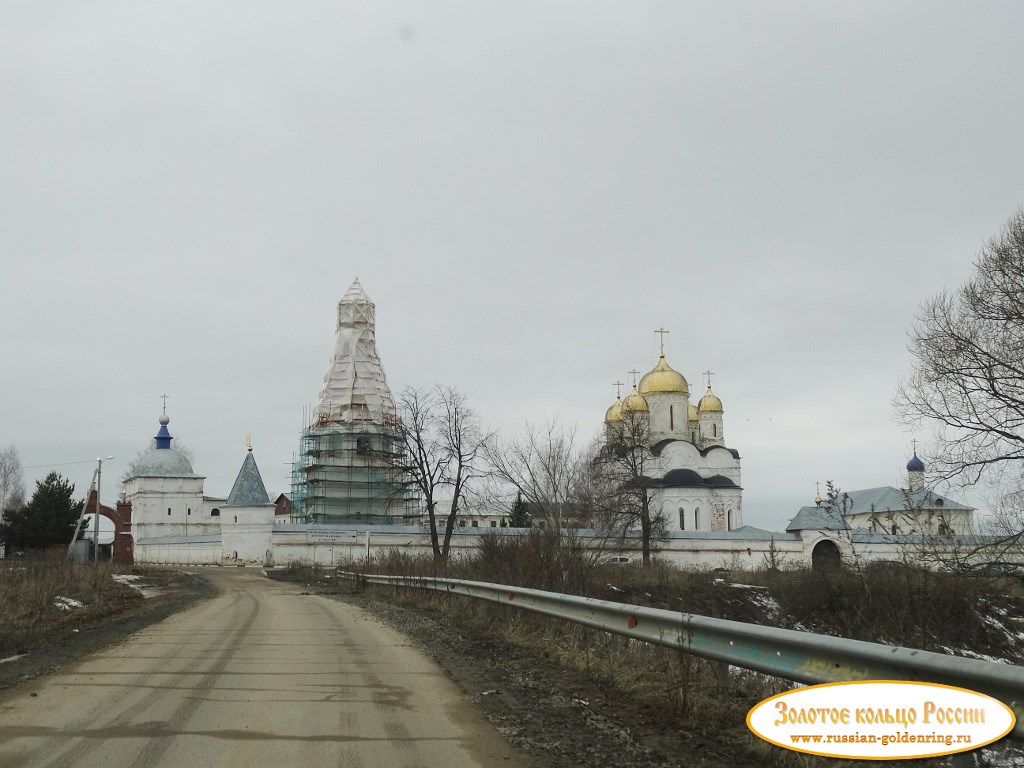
(362, 445)
(236, 520)
(671, 418)
(494, 523)
(476, 523)
(168, 510)
(693, 437)
(728, 520)
(943, 529)
(462, 523)
(214, 512)
(682, 519)
(895, 530)
(189, 512)
(714, 430)
(696, 519)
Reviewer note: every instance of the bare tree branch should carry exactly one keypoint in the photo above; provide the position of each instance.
(544, 465)
(442, 455)
(619, 484)
(12, 484)
(967, 379)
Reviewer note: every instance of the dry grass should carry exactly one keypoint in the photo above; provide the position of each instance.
(29, 606)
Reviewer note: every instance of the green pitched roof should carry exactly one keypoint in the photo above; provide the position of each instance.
(248, 490)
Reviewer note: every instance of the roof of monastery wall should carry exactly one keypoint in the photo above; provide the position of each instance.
(889, 499)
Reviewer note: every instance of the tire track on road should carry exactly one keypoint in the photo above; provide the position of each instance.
(117, 724)
(156, 748)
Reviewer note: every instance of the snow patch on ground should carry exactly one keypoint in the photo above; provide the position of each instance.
(67, 603)
(759, 596)
(132, 580)
(13, 658)
(969, 654)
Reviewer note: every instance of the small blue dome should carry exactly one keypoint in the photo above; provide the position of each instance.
(915, 464)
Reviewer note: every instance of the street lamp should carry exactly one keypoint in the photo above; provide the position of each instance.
(96, 513)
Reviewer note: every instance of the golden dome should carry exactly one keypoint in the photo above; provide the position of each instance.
(693, 412)
(614, 412)
(710, 403)
(663, 378)
(635, 402)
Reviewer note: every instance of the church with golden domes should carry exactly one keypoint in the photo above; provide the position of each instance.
(693, 479)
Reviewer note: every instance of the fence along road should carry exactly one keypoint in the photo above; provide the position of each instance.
(803, 657)
(260, 675)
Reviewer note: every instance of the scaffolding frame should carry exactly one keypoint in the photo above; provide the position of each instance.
(352, 473)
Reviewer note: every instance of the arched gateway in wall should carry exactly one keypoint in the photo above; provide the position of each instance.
(825, 555)
(122, 550)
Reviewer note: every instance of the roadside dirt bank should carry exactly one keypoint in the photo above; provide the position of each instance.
(178, 590)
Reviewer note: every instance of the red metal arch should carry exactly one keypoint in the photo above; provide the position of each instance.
(123, 549)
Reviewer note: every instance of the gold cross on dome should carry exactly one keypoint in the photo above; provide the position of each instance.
(709, 374)
(661, 338)
(248, 442)
(634, 373)
(618, 388)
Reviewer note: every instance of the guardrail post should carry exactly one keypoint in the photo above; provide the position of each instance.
(723, 679)
(613, 647)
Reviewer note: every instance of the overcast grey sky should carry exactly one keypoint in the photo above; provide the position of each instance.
(526, 190)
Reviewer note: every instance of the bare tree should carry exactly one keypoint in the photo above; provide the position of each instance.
(442, 456)
(544, 465)
(619, 485)
(967, 379)
(12, 483)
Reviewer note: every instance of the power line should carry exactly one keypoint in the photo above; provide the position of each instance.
(65, 464)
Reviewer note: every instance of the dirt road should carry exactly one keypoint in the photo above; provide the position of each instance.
(259, 675)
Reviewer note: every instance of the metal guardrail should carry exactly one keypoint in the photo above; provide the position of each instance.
(803, 657)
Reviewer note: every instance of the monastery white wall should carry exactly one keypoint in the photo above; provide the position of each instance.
(331, 545)
(173, 550)
(958, 521)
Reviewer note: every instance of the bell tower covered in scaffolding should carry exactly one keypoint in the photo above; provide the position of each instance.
(348, 467)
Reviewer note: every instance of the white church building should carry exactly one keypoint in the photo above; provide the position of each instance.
(692, 476)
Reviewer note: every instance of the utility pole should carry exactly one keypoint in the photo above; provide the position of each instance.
(96, 513)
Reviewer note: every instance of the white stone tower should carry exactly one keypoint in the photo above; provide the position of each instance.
(348, 465)
(355, 389)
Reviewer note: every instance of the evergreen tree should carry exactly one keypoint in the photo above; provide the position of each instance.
(47, 520)
(519, 516)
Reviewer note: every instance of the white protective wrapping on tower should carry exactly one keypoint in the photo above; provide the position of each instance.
(355, 388)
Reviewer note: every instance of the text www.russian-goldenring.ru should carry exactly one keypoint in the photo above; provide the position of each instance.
(885, 740)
